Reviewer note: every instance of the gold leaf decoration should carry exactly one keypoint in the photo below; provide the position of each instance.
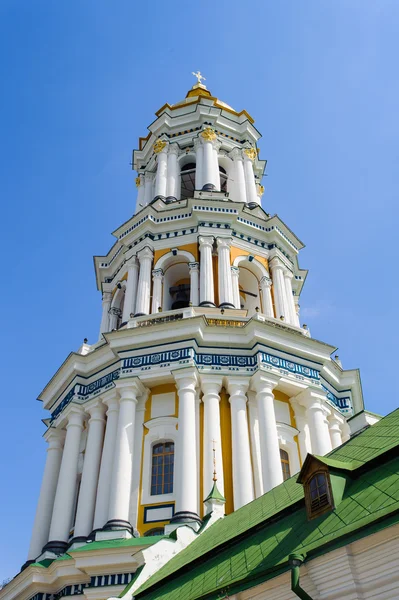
(159, 146)
(209, 134)
(251, 153)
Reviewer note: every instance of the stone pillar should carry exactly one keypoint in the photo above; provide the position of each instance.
(243, 488)
(119, 503)
(267, 304)
(199, 154)
(211, 386)
(252, 196)
(148, 188)
(207, 294)
(137, 462)
(110, 399)
(235, 277)
(334, 425)
(186, 476)
(210, 165)
(280, 303)
(272, 475)
(317, 411)
(91, 467)
(241, 190)
(289, 296)
(140, 202)
(41, 527)
(305, 446)
(144, 286)
(226, 299)
(114, 314)
(104, 327)
(157, 279)
(61, 520)
(255, 444)
(194, 283)
(131, 289)
(161, 149)
(173, 173)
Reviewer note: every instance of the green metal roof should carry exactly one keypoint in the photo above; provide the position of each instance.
(107, 544)
(249, 546)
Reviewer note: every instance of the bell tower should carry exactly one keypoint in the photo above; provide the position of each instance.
(202, 363)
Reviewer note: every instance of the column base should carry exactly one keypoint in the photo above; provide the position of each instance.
(56, 546)
(92, 536)
(26, 564)
(159, 198)
(226, 305)
(209, 187)
(79, 539)
(140, 315)
(252, 205)
(170, 199)
(207, 304)
(118, 525)
(185, 516)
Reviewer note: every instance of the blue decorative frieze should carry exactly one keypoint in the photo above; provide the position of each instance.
(224, 360)
(343, 404)
(288, 365)
(148, 360)
(63, 404)
(77, 589)
(99, 384)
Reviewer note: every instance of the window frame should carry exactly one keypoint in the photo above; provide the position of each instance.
(163, 484)
(328, 506)
(286, 462)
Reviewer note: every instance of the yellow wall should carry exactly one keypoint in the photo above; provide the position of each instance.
(225, 426)
(234, 252)
(192, 248)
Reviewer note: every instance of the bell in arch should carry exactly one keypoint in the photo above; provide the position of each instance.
(180, 295)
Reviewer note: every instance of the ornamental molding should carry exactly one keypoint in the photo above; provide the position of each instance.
(250, 153)
(159, 146)
(208, 134)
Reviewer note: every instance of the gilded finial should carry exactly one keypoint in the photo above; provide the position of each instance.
(159, 146)
(199, 77)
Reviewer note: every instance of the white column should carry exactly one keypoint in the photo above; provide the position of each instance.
(157, 278)
(255, 444)
(272, 474)
(41, 527)
(226, 299)
(119, 503)
(145, 257)
(107, 460)
(173, 172)
(292, 318)
(305, 446)
(316, 415)
(199, 154)
(194, 283)
(279, 290)
(297, 311)
(61, 520)
(104, 327)
(131, 289)
(161, 149)
(211, 386)
(235, 276)
(148, 188)
(239, 176)
(210, 164)
(207, 294)
(140, 202)
(187, 476)
(114, 314)
(249, 157)
(334, 426)
(243, 488)
(91, 467)
(137, 462)
(267, 304)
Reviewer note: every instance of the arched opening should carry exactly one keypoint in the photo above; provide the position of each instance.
(223, 179)
(285, 464)
(249, 290)
(187, 176)
(176, 292)
(116, 310)
(154, 531)
(162, 464)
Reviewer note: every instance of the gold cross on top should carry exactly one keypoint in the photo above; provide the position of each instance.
(198, 76)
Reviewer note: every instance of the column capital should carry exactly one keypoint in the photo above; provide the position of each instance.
(55, 437)
(75, 416)
(174, 149)
(149, 177)
(206, 241)
(264, 381)
(288, 274)
(312, 399)
(130, 389)
(194, 266)
(107, 297)
(237, 386)
(145, 253)
(265, 282)
(235, 271)
(96, 409)
(250, 154)
(223, 242)
(160, 146)
(139, 180)
(208, 135)
(211, 383)
(276, 263)
(186, 378)
(132, 263)
(157, 274)
(236, 154)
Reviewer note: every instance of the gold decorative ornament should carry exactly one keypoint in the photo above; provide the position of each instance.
(261, 190)
(208, 134)
(251, 153)
(138, 181)
(159, 146)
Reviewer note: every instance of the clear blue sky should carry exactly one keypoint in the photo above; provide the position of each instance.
(80, 83)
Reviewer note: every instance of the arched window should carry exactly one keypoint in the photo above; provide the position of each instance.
(223, 179)
(285, 464)
(318, 493)
(187, 181)
(155, 531)
(163, 455)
